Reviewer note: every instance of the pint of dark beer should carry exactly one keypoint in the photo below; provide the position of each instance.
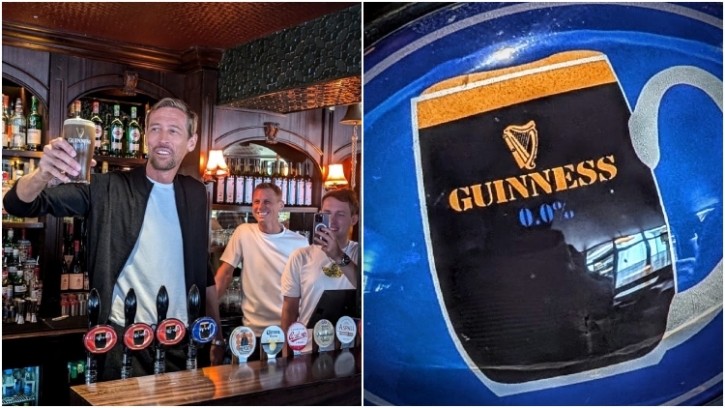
(81, 133)
(550, 245)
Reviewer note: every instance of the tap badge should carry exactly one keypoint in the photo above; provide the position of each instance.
(100, 339)
(170, 332)
(555, 262)
(524, 144)
(138, 336)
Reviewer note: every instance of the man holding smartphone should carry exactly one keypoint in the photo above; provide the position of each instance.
(330, 264)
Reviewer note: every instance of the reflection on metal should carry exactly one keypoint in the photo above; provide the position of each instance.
(632, 262)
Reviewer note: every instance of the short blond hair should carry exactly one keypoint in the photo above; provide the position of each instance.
(192, 118)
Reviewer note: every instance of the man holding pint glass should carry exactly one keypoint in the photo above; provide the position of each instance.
(145, 228)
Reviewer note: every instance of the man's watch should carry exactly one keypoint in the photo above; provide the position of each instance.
(344, 261)
(217, 342)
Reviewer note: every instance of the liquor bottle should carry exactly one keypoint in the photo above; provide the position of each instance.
(284, 177)
(145, 145)
(9, 242)
(20, 288)
(98, 122)
(267, 171)
(25, 248)
(35, 127)
(18, 126)
(230, 182)
(133, 137)
(78, 109)
(308, 186)
(7, 284)
(106, 137)
(277, 177)
(219, 193)
(75, 280)
(248, 182)
(241, 180)
(292, 186)
(116, 131)
(300, 200)
(6, 121)
(258, 176)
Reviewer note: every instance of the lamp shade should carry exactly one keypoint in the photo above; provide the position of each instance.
(216, 166)
(335, 177)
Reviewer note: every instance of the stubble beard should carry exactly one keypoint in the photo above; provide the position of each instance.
(161, 164)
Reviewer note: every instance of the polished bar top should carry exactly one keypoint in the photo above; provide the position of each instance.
(329, 378)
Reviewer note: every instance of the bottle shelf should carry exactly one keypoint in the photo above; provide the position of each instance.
(29, 225)
(119, 161)
(22, 153)
(19, 399)
(248, 208)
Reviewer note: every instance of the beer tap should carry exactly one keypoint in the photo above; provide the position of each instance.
(193, 303)
(129, 314)
(137, 336)
(202, 330)
(162, 306)
(99, 339)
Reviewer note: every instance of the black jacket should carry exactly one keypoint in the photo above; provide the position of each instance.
(114, 205)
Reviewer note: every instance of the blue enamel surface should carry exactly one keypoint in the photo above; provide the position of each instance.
(409, 356)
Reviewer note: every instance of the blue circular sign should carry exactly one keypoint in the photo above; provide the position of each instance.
(556, 229)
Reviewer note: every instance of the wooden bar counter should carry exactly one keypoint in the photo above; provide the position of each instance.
(330, 378)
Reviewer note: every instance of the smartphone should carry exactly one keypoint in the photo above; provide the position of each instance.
(321, 220)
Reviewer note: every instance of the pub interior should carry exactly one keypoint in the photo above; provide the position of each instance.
(277, 88)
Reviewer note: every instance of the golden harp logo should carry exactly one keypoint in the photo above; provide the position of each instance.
(524, 143)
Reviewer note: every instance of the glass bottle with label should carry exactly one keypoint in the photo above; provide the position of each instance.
(98, 122)
(308, 186)
(248, 182)
(241, 180)
(75, 280)
(18, 126)
(291, 185)
(230, 182)
(6, 121)
(300, 200)
(34, 139)
(133, 136)
(116, 131)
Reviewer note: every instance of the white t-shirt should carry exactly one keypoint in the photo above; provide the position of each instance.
(157, 259)
(303, 278)
(264, 257)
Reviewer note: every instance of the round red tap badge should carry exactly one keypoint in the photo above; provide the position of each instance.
(297, 336)
(138, 336)
(170, 332)
(100, 339)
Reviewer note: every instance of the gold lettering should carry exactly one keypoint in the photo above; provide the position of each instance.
(455, 201)
(566, 177)
(562, 177)
(520, 187)
(606, 164)
(539, 180)
(586, 170)
(500, 192)
(478, 195)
